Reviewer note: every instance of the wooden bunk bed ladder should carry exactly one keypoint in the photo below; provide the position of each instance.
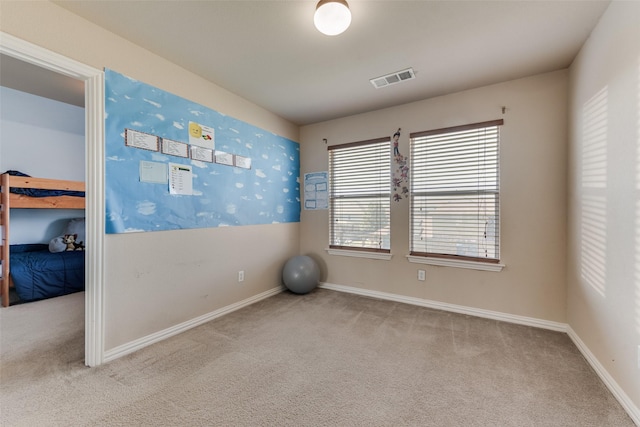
(4, 249)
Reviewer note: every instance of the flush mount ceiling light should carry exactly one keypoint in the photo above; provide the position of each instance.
(332, 17)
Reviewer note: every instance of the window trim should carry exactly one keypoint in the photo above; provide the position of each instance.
(459, 263)
(359, 253)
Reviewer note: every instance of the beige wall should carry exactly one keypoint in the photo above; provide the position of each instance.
(533, 176)
(604, 195)
(154, 281)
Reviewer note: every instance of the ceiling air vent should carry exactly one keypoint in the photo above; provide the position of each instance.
(393, 78)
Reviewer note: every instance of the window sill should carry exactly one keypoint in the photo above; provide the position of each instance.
(443, 262)
(360, 254)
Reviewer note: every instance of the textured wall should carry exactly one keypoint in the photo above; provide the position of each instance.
(154, 281)
(604, 195)
(533, 213)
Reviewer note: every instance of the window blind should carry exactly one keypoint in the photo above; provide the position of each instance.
(455, 192)
(359, 195)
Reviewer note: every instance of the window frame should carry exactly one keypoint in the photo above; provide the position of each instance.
(385, 178)
(450, 259)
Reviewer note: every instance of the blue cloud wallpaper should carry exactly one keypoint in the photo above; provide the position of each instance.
(263, 190)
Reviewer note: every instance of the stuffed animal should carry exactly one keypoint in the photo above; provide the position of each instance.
(72, 245)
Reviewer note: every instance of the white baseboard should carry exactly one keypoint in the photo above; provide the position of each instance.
(138, 344)
(611, 384)
(477, 312)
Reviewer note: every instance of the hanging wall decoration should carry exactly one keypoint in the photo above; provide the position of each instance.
(400, 177)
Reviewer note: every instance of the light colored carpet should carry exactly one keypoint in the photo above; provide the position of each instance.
(322, 359)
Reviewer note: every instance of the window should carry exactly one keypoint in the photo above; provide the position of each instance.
(359, 196)
(455, 193)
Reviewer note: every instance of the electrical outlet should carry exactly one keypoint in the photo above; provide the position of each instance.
(241, 276)
(421, 275)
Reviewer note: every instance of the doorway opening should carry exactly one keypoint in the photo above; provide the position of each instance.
(93, 80)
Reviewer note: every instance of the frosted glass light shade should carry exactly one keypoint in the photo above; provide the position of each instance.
(332, 17)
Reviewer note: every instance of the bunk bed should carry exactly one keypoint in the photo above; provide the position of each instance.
(32, 269)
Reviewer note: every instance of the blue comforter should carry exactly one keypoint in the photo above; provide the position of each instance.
(37, 273)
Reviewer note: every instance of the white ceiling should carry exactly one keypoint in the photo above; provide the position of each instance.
(270, 53)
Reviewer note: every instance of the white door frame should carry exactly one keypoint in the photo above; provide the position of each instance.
(94, 173)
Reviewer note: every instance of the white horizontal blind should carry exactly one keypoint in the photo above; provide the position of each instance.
(360, 194)
(455, 192)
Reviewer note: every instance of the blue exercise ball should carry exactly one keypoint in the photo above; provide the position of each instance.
(301, 274)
